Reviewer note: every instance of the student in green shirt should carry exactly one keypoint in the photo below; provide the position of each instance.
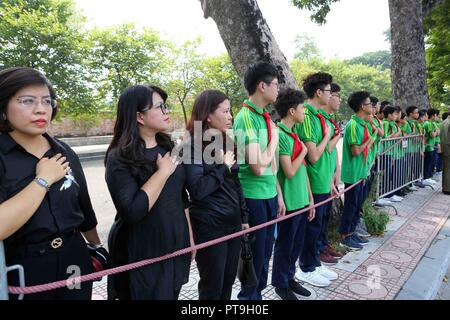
(320, 140)
(430, 141)
(257, 141)
(297, 195)
(329, 256)
(356, 145)
(412, 129)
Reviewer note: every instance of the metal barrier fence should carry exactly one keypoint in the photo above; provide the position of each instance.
(399, 163)
(4, 275)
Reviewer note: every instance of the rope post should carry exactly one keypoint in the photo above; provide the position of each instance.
(3, 277)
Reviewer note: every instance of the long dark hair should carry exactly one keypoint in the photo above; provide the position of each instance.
(126, 138)
(205, 104)
(14, 79)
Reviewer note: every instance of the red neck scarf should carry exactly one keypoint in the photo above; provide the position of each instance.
(323, 125)
(266, 119)
(366, 137)
(298, 147)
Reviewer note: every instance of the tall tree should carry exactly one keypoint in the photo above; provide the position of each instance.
(437, 27)
(47, 35)
(247, 36)
(407, 42)
(380, 59)
(121, 56)
(306, 47)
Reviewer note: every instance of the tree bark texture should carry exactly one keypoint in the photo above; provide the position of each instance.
(409, 78)
(247, 36)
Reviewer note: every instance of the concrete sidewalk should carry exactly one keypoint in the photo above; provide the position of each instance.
(407, 263)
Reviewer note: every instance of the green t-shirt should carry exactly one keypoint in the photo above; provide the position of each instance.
(374, 149)
(389, 128)
(250, 127)
(295, 190)
(429, 140)
(438, 125)
(320, 172)
(353, 168)
(332, 152)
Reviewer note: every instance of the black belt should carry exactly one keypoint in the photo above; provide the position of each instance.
(53, 243)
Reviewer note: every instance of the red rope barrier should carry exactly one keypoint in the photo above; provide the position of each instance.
(89, 277)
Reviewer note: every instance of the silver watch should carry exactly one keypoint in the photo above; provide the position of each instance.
(42, 183)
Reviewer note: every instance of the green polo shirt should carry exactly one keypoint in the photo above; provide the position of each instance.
(429, 141)
(332, 152)
(389, 128)
(353, 168)
(438, 125)
(374, 149)
(250, 127)
(295, 190)
(320, 172)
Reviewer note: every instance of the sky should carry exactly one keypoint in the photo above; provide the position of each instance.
(353, 26)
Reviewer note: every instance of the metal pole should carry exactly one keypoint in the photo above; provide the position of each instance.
(3, 277)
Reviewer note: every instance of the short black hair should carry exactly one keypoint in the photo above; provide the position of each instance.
(444, 116)
(432, 112)
(398, 109)
(335, 88)
(411, 109)
(388, 110)
(356, 99)
(257, 72)
(374, 100)
(14, 79)
(288, 98)
(422, 113)
(316, 81)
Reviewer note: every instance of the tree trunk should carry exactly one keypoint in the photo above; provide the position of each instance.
(409, 78)
(247, 36)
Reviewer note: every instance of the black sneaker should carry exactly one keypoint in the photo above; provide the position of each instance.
(298, 288)
(285, 294)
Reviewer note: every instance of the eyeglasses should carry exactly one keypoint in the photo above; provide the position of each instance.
(34, 102)
(274, 83)
(329, 90)
(163, 106)
(367, 104)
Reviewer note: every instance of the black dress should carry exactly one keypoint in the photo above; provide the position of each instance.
(152, 233)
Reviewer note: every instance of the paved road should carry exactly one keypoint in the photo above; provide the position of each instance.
(101, 200)
(444, 291)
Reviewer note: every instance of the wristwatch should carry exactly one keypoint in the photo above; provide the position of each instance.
(42, 183)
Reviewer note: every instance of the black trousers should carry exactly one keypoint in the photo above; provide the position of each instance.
(43, 264)
(217, 265)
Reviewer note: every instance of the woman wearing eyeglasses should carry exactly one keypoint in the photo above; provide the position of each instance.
(147, 188)
(44, 201)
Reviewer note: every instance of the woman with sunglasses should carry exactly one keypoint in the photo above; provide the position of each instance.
(147, 188)
(45, 209)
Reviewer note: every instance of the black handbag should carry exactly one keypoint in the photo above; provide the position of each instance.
(246, 270)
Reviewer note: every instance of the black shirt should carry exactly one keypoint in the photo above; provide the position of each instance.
(216, 194)
(151, 233)
(66, 205)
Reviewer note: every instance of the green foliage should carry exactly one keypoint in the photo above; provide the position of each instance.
(437, 27)
(380, 59)
(121, 56)
(375, 220)
(47, 35)
(350, 77)
(306, 47)
(319, 8)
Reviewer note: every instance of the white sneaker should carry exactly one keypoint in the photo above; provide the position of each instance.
(428, 182)
(413, 188)
(327, 273)
(313, 278)
(395, 199)
(383, 202)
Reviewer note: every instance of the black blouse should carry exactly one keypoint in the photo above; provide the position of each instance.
(152, 233)
(66, 206)
(215, 193)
